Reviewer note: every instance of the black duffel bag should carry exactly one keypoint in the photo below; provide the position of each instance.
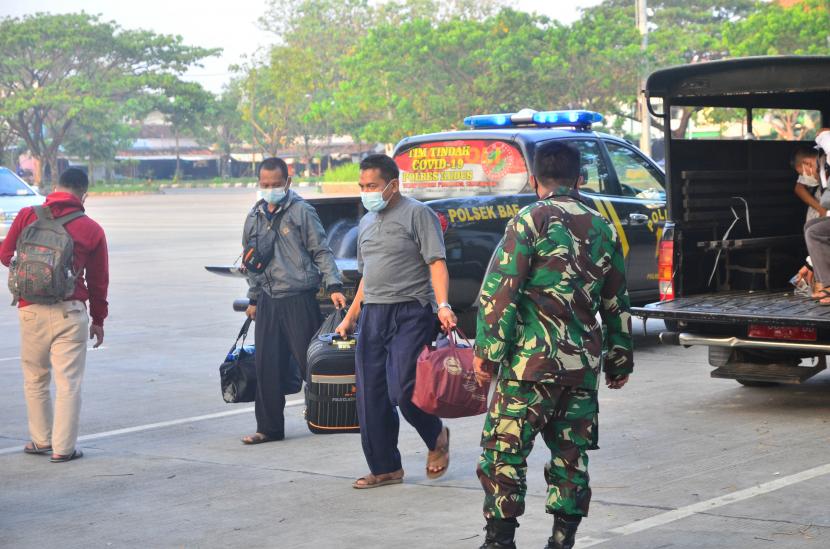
(237, 375)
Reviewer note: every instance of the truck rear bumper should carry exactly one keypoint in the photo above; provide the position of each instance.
(688, 339)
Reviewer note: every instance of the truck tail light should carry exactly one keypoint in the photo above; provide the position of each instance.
(665, 268)
(788, 333)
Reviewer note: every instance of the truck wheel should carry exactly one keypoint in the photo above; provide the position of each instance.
(750, 383)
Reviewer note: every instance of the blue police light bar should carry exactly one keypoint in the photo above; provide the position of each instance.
(576, 118)
(567, 118)
(489, 120)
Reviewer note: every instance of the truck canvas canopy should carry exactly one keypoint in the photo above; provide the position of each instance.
(795, 82)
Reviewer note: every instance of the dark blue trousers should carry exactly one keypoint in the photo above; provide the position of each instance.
(391, 338)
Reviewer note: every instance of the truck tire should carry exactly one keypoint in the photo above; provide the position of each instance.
(750, 383)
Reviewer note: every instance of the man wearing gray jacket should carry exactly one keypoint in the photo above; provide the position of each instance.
(287, 257)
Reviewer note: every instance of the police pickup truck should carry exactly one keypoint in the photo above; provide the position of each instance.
(734, 236)
(477, 179)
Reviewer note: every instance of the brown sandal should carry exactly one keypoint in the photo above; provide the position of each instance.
(439, 458)
(374, 481)
(257, 438)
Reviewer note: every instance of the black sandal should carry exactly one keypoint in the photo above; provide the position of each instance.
(34, 449)
(76, 454)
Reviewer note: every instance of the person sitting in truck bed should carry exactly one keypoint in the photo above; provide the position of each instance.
(807, 187)
(812, 168)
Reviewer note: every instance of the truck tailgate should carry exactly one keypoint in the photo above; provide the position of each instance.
(777, 308)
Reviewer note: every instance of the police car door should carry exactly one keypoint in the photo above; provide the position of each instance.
(638, 210)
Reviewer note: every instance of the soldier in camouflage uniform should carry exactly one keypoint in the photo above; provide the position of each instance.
(560, 263)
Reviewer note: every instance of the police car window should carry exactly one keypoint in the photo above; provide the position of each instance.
(638, 179)
(464, 167)
(594, 171)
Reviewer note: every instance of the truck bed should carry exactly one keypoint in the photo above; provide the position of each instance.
(777, 308)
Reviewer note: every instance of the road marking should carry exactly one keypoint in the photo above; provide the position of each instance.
(588, 541)
(88, 349)
(161, 424)
(704, 506)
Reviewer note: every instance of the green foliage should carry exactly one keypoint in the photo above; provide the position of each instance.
(56, 70)
(343, 172)
(376, 71)
(803, 29)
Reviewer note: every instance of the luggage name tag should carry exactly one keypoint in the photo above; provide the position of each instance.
(343, 344)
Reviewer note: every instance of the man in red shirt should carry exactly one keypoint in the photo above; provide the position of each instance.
(53, 337)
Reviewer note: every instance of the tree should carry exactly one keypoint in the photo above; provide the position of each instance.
(54, 69)
(185, 106)
(263, 105)
(801, 29)
(227, 125)
(97, 137)
(424, 75)
(8, 140)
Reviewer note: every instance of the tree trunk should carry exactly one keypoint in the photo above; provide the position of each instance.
(307, 147)
(680, 132)
(91, 168)
(37, 176)
(53, 167)
(178, 173)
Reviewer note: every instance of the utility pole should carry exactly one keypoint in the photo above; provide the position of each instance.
(645, 117)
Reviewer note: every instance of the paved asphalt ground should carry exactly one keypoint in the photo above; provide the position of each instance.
(685, 462)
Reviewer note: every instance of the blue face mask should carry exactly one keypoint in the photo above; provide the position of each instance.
(271, 196)
(373, 201)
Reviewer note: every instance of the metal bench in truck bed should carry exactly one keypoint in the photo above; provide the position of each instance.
(734, 234)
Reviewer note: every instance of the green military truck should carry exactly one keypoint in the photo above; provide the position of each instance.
(735, 230)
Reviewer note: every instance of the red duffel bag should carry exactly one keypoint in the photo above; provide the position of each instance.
(445, 382)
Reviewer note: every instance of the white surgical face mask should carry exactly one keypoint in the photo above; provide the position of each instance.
(271, 196)
(808, 180)
(373, 201)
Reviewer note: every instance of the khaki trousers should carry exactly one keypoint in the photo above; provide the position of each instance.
(53, 340)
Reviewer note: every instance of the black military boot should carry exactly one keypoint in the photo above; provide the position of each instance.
(564, 531)
(500, 533)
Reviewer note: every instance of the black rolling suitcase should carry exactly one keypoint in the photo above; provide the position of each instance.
(331, 406)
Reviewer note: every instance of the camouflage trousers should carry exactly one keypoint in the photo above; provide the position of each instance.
(520, 410)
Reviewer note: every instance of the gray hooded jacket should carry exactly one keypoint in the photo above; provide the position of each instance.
(301, 252)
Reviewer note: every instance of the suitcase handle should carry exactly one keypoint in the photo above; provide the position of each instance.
(334, 336)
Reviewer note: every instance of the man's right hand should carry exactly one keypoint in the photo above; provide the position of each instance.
(250, 312)
(614, 382)
(345, 328)
(483, 370)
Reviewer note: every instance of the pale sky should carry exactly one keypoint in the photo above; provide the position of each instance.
(227, 24)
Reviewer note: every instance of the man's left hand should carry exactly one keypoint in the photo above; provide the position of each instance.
(96, 332)
(339, 300)
(484, 370)
(447, 318)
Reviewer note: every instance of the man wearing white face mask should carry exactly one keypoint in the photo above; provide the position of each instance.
(405, 284)
(287, 258)
(811, 166)
(808, 187)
